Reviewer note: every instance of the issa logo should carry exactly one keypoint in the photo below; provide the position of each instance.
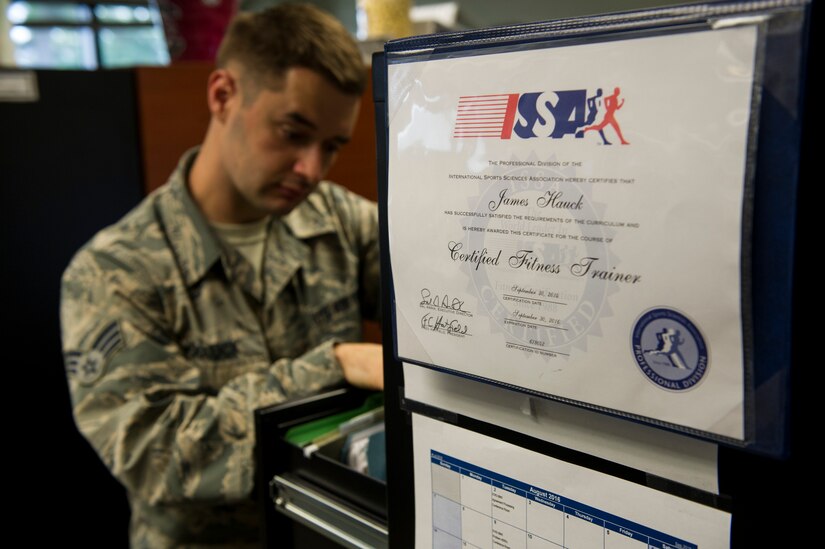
(539, 114)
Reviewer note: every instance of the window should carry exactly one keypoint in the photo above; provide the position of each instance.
(86, 35)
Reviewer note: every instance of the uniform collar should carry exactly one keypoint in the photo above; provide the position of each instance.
(287, 248)
(311, 217)
(198, 249)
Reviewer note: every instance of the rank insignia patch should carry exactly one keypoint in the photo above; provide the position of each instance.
(87, 367)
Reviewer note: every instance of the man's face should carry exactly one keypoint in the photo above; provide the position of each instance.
(278, 144)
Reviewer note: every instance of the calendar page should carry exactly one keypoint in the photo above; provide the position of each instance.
(476, 491)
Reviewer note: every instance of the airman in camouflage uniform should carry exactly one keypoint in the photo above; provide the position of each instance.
(172, 338)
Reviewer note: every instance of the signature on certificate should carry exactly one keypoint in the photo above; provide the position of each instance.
(442, 301)
(445, 325)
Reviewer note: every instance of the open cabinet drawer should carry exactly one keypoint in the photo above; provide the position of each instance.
(313, 499)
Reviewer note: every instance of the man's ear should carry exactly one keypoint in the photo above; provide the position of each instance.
(222, 93)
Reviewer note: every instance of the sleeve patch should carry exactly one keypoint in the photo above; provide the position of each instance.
(88, 367)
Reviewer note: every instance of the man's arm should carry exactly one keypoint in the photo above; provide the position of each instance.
(357, 224)
(158, 425)
(362, 362)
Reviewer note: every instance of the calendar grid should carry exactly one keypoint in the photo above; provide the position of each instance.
(524, 516)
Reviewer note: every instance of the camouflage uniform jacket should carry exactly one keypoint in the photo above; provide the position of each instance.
(171, 343)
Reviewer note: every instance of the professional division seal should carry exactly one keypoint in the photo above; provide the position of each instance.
(669, 349)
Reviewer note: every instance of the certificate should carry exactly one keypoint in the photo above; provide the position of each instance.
(568, 221)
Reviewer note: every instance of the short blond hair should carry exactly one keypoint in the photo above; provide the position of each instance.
(269, 42)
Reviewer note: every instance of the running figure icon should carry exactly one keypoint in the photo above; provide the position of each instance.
(669, 342)
(593, 103)
(611, 105)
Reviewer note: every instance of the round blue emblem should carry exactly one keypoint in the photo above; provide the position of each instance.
(669, 349)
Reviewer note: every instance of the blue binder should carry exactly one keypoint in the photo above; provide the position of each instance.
(772, 455)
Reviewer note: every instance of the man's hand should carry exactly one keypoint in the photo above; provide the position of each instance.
(363, 364)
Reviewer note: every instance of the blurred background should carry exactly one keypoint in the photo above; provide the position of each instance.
(94, 35)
